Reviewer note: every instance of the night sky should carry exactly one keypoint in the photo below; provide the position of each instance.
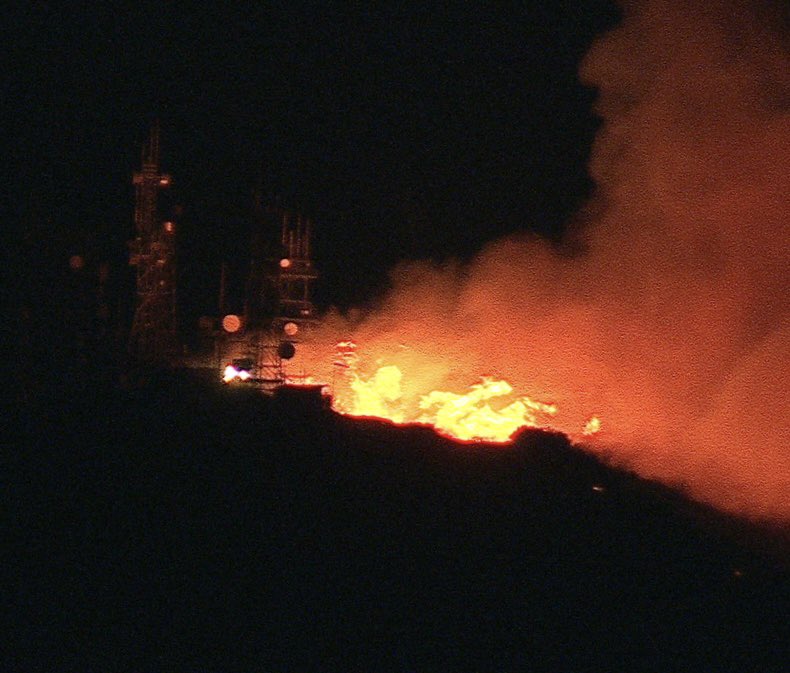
(404, 131)
(162, 524)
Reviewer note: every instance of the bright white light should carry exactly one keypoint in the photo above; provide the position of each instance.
(232, 373)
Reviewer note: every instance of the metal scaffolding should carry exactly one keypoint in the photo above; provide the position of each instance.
(293, 275)
(279, 314)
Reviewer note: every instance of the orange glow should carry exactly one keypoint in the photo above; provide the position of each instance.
(285, 263)
(665, 312)
(472, 415)
(169, 227)
(231, 323)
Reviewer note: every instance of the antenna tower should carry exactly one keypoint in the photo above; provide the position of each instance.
(153, 335)
(294, 274)
(291, 276)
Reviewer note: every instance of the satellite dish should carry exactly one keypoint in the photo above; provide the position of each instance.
(286, 350)
(231, 323)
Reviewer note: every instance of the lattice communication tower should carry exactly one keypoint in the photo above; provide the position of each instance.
(294, 274)
(291, 277)
(153, 335)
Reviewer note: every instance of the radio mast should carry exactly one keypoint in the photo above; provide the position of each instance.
(153, 335)
(294, 275)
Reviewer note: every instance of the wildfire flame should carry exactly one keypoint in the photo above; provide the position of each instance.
(379, 395)
(592, 426)
(471, 415)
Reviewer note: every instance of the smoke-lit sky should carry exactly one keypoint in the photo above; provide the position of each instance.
(410, 132)
(669, 317)
(406, 130)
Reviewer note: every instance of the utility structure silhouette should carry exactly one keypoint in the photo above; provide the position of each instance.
(279, 314)
(293, 274)
(152, 338)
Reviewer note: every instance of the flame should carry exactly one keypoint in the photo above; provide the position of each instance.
(592, 427)
(470, 416)
(379, 395)
(467, 416)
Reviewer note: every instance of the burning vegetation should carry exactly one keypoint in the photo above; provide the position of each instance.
(473, 415)
(487, 410)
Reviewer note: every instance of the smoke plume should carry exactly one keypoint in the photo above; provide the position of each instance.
(670, 319)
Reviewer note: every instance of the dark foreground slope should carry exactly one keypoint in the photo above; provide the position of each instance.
(182, 528)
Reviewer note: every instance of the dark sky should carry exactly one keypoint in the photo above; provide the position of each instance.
(405, 130)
